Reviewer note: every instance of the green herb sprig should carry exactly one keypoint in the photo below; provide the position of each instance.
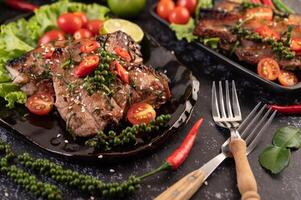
(276, 157)
(106, 142)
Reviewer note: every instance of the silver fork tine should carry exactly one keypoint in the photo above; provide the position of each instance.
(254, 131)
(214, 103)
(254, 120)
(235, 102)
(221, 100)
(228, 101)
(253, 144)
(248, 118)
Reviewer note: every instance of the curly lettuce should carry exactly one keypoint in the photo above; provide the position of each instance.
(21, 36)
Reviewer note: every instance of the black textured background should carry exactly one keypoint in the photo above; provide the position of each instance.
(222, 183)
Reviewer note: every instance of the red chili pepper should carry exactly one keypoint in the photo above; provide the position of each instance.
(176, 159)
(268, 3)
(118, 69)
(123, 53)
(292, 109)
(256, 1)
(20, 5)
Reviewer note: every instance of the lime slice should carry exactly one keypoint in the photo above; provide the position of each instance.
(113, 25)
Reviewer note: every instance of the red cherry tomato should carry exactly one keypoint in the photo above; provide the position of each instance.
(267, 32)
(87, 66)
(189, 4)
(164, 8)
(179, 15)
(40, 103)
(51, 36)
(287, 78)
(94, 26)
(48, 51)
(82, 33)
(268, 68)
(123, 53)
(69, 23)
(260, 12)
(83, 18)
(141, 113)
(118, 69)
(296, 45)
(89, 46)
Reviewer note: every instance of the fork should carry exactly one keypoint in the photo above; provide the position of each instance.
(251, 128)
(227, 114)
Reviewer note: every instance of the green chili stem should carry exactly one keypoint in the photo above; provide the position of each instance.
(163, 167)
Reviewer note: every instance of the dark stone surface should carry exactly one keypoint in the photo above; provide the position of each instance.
(222, 183)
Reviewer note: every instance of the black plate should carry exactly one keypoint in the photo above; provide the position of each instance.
(44, 131)
(239, 65)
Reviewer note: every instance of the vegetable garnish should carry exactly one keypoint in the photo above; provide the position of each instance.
(21, 5)
(287, 78)
(82, 33)
(51, 36)
(176, 159)
(69, 23)
(295, 45)
(268, 68)
(266, 32)
(40, 103)
(290, 109)
(89, 46)
(276, 157)
(268, 3)
(280, 5)
(87, 66)
(123, 54)
(141, 113)
(118, 69)
(184, 31)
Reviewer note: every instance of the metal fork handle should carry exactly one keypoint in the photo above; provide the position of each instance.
(185, 188)
(246, 181)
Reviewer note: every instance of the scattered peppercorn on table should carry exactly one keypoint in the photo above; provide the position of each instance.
(71, 179)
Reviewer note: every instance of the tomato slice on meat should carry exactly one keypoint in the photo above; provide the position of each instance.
(267, 32)
(40, 103)
(51, 36)
(296, 45)
(123, 53)
(89, 46)
(268, 68)
(141, 113)
(87, 66)
(287, 78)
(260, 12)
(118, 69)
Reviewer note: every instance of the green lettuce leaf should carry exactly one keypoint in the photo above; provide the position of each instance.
(15, 97)
(184, 31)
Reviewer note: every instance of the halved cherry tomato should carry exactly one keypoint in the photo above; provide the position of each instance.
(189, 4)
(267, 32)
(118, 69)
(83, 18)
(89, 46)
(260, 12)
(51, 36)
(141, 113)
(287, 78)
(164, 8)
(296, 45)
(268, 68)
(69, 23)
(179, 15)
(123, 53)
(40, 103)
(82, 33)
(87, 66)
(94, 26)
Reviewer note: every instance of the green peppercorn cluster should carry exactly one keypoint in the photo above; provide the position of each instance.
(279, 48)
(85, 183)
(24, 179)
(106, 142)
(247, 5)
(102, 77)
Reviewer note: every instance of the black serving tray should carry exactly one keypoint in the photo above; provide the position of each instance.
(237, 65)
(50, 134)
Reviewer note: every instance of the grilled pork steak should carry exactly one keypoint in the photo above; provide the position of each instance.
(221, 20)
(85, 113)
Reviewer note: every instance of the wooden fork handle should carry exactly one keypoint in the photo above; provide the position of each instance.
(184, 188)
(245, 178)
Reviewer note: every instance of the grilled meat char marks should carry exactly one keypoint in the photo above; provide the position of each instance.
(86, 114)
(219, 22)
